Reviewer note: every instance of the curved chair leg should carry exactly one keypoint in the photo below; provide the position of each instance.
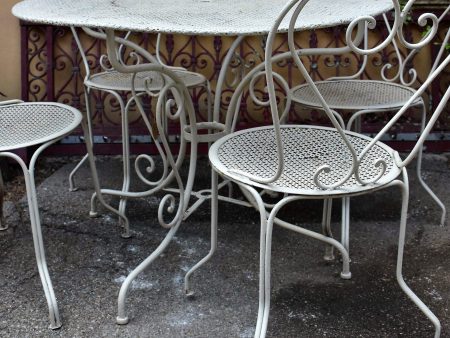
(345, 274)
(401, 243)
(55, 321)
(95, 180)
(214, 212)
(259, 205)
(72, 186)
(126, 168)
(30, 186)
(420, 178)
(326, 228)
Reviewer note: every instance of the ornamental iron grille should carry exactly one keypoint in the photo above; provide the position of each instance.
(52, 70)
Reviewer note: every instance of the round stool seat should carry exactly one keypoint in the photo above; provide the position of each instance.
(26, 124)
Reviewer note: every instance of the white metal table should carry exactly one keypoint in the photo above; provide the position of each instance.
(191, 17)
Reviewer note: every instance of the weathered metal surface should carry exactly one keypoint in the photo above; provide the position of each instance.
(52, 70)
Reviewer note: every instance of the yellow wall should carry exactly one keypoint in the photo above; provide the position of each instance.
(9, 51)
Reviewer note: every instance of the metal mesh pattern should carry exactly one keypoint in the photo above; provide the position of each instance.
(200, 17)
(122, 81)
(306, 149)
(354, 94)
(28, 124)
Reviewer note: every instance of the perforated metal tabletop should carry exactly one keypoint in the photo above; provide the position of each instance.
(199, 17)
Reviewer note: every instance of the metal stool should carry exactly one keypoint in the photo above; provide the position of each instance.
(29, 124)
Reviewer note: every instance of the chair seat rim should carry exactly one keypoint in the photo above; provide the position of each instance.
(355, 107)
(93, 83)
(307, 193)
(77, 117)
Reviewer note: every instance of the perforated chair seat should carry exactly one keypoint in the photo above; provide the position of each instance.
(114, 80)
(354, 94)
(27, 124)
(306, 148)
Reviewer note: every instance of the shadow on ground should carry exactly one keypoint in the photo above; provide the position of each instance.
(89, 260)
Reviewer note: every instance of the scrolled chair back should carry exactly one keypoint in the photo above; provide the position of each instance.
(289, 15)
(132, 57)
(173, 101)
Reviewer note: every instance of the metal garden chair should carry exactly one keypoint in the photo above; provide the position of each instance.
(113, 82)
(311, 162)
(36, 124)
(363, 97)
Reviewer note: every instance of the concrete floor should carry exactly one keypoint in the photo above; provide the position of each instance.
(89, 260)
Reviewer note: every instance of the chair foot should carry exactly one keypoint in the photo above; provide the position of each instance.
(125, 235)
(55, 326)
(93, 214)
(189, 293)
(72, 186)
(346, 275)
(329, 257)
(122, 320)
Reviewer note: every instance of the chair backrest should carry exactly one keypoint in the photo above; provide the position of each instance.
(290, 13)
(403, 72)
(131, 57)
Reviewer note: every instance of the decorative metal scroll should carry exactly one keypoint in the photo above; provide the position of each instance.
(52, 70)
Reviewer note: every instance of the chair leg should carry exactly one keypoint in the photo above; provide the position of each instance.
(345, 235)
(258, 203)
(55, 321)
(401, 243)
(326, 228)
(126, 163)
(420, 178)
(345, 274)
(3, 225)
(97, 194)
(72, 186)
(214, 212)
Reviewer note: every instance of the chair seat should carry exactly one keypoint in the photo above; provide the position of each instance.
(306, 149)
(26, 124)
(122, 81)
(354, 94)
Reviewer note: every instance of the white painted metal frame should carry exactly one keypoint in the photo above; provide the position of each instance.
(391, 102)
(106, 81)
(23, 114)
(324, 181)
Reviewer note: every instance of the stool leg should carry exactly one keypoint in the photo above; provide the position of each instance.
(55, 321)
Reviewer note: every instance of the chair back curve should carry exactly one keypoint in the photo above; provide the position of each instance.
(133, 56)
(274, 82)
